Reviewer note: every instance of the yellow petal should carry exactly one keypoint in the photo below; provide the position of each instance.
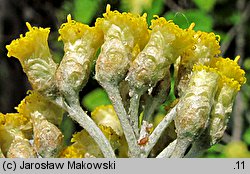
(106, 116)
(84, 142)
(14, 120)
(206, 47)
(230, 71)
(71, 152)
(129, 23)
(36, 102)
(33, 44)
(72, 31)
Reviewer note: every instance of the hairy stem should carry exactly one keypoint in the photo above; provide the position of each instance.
(115, 97)
(180, 148)
(154, 137)
(133, 112)
(167, 152)
(77, 114)
(158, 96)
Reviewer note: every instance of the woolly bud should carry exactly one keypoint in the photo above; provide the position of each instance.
(48, 139)
(80, 45)
(124, 36)
(163, 48)
(205, 48)
(20, 147)
(34, 54)
(232, 77)
(195, 105)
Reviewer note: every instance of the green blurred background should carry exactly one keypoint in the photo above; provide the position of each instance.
(228, 18)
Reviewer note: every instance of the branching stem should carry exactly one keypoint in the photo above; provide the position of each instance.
(133, 112)
(154, 137)
(77, 114)
(115, 97)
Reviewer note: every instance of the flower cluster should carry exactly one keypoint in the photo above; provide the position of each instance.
(133, 66)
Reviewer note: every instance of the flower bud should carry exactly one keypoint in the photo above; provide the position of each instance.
(20, 147)
(124, 36)
(84, 144)
(166, 43)
(232, 77)
(80, 45)
(194, 106)
(107, 120)
(205, 48)
(48, 139)
(36, 102)
(33, 52)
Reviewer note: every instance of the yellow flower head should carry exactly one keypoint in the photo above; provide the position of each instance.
(207, 44)
(230, 71)
(13, 120)
(36, 102)
(160, 23)
(181, 41)
(105, 116)
(128, 23)
(206, 47)
(71, 152)
(168, 29)
(86, 144)
(72, 31)
(200, 67)
(33, 44)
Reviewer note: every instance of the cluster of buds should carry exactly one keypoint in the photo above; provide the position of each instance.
(32, 131)
(207, 102)
(135, 57)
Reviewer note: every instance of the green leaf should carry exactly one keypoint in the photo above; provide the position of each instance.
(68, 128)
(247, 63)
(157, 8)
(84, 10)
(206, 5)
(246, 136)
(95, 98)
(136, 6)
(202, 21)
(235, 18)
